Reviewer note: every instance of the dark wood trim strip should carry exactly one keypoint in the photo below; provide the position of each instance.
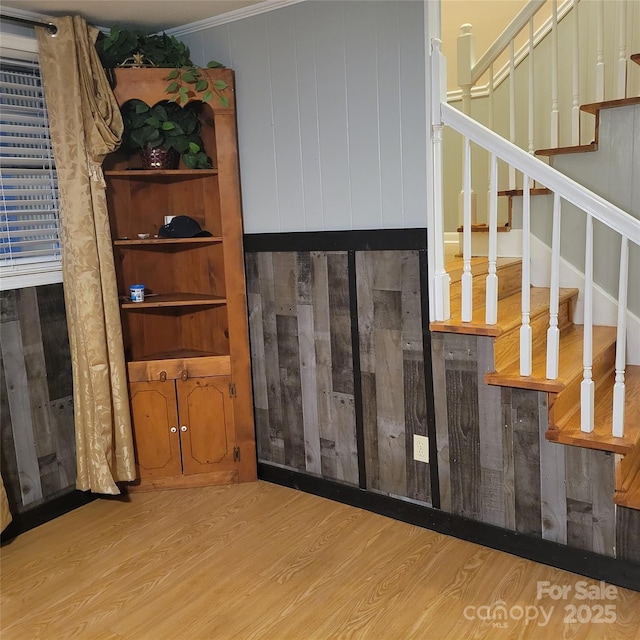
(592, 565)
(428, 380)
(357, 373)
(560, 151)
(50, 510)
(359, 240)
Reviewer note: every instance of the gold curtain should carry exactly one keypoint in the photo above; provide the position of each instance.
(85, 125)
(5, 513)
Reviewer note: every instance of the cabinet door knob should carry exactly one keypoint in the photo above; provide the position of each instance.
(174, 429)
(183, 427)
(163, 376)
(185, 374)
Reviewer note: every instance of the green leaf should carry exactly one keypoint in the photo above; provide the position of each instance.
(173, 98)
(189, 77)
(173, 74)
(153, 121)
(213, 64)
(172, 87)
(224, 101)
(220, 85)
(167, 126)
(207, 97)
(161, 112)
(141, 107)
(201, 85)
(193, 147)
(184, 99)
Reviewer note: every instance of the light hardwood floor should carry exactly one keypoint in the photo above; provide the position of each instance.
(262, 561)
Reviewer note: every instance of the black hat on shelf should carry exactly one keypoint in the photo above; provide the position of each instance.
(182, 227)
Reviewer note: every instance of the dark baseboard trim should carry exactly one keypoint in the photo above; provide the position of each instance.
(586, 563)
(360, 240)
(32, 518)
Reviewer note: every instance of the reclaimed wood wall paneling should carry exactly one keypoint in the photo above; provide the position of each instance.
(392, 371)
(38, 439)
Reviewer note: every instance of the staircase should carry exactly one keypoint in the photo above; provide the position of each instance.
(586, 352)
(564, 391)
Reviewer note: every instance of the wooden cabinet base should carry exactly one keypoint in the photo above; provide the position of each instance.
(181, 482)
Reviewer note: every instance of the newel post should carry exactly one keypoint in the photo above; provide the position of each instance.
(466, 60)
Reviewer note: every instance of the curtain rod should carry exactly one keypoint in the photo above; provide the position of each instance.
(51, 28)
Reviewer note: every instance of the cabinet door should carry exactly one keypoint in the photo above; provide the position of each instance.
(155, 428)
(206, 424)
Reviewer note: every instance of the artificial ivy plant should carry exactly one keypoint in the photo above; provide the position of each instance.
(132, 48)
(165, 125)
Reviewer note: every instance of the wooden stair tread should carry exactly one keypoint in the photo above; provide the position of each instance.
(631, 497)
(571, 341)
(568, 428)
(558, 151)
(537, 191)
(483, 227)
(509, 314)
(594, 107)
(479, 266)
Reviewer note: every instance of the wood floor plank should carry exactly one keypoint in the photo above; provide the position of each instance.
(260, 561)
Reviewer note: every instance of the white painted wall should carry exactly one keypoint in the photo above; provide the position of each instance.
(331, 113)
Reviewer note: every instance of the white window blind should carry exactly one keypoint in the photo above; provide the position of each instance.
(29, 231)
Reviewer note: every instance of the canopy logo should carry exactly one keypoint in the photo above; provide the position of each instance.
(499, 615)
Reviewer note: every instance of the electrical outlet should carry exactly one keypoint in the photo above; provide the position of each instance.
(421, 448)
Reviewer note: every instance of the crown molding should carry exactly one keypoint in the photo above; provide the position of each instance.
(231, 16)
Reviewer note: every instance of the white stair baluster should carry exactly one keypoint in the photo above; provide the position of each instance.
(441, 277)
(600, 52)
(555, 118)
(490, 125)
(491, 302)
(532, 141)
(553, 333)
(587, 386)
(622, 50)
(575, 106)
(512, 108)
(621, 342)
(526, 337)
(467, 277)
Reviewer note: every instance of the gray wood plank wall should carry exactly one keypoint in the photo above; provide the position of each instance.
(300, 326)
(392, 371)
(496, 466)
(36, 402)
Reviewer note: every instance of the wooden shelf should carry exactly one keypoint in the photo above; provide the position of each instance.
(175, 300)
(180, 354)
(152, 173)
(164, 241)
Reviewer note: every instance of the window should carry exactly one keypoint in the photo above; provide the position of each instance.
(29, 231)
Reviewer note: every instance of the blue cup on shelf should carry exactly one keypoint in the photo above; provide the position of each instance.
(137, 292)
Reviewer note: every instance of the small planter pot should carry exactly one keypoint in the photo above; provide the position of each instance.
(159, 158)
